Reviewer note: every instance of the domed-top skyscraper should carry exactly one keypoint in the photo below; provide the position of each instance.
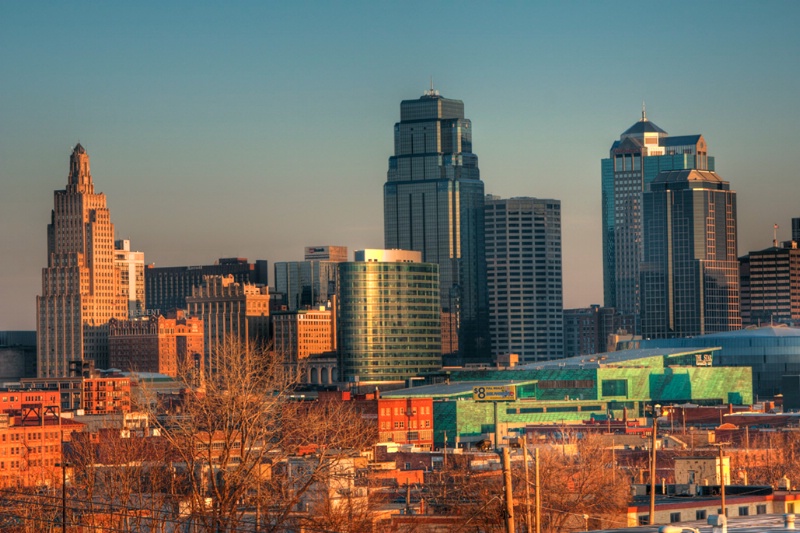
(641, 153)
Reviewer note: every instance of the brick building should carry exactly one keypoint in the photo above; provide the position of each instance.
(159, 344)
(31, 433)
(94, 391)
(231, 312)
(303, 333)
(399, 420)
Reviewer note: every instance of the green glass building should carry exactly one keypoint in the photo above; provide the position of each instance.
(389, 325)
(578, 389)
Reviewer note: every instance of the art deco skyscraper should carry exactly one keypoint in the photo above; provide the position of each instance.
(80, 285)
(634, 161)
(433, 203)
(690, 273)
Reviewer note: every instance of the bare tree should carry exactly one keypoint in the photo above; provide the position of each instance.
(234, 436)
(581, 490)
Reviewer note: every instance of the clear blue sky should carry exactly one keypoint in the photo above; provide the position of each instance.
(256, 128)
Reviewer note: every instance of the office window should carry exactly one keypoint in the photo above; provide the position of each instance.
(674, 517)
(700, 515)
(744, 511)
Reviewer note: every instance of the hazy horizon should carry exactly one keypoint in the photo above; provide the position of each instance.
(256, 129)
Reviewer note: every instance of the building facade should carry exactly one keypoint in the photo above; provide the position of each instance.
(690, 273)
(770, 285)
(81, 284)
(523, 266)
(298, 335)
(771, 352)
(131, 270)
(159, 344)
(641, 153)
(30, 439)
(167, 288)
(620, 384)
(587, 330)
(306, 284)
(231, 312)
(433, 203)
(389, 316)
(337, 254)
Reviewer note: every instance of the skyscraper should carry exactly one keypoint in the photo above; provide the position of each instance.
(634, 161)
(389, 324)
(80, 285)
(770, 285)
(131, 269)
(433, 203)
(690, 273)
(523, 265)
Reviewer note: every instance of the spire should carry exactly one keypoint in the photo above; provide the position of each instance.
(80, 177)
(644, 111)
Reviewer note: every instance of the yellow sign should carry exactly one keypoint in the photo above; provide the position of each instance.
(494, 393)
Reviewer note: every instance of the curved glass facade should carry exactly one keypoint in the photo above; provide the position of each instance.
(389, 320)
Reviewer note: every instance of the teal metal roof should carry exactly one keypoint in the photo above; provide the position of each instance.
(450, 390)
(612, 358)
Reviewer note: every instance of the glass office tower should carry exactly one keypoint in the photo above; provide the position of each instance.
(388, 319)
(433, 203)
(690, 273)
(641, 153)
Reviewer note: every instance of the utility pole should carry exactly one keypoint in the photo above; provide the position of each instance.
(652, 520)
(722, 478)
(538, 494)
(527, 486)
(509, 511)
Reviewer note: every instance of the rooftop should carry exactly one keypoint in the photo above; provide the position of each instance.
(449, 390)
(610, 358)
(643, 126)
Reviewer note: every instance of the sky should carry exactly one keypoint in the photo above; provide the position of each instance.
(254, 129)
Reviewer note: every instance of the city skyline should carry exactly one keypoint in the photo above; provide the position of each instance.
(210, 130)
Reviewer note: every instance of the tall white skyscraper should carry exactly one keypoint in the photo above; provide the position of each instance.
(131, 271)
(523, 264)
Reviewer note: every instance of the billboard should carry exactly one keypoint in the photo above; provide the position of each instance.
(494, 393)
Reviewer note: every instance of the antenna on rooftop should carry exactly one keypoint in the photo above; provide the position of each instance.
(775, 235)
(644, 111)
(431, 91)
